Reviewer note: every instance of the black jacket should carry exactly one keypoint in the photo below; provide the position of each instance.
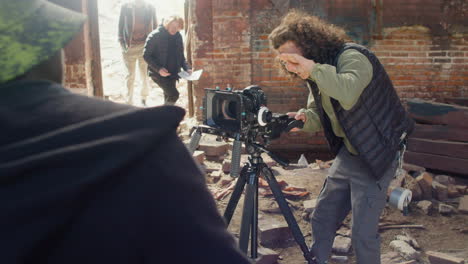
(90, 181)
(376, 124)
(156, 52)
(126, 20)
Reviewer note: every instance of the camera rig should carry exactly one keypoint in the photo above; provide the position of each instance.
(243, 116)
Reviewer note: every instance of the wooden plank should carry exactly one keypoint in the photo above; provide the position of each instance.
(437, 113)
(448, 164)
(439, 147)
(463, 101)
(439, 132)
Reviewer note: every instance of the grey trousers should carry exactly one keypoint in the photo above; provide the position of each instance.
(133, 55)
(350, 186)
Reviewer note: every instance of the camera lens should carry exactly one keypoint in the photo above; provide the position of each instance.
(229, 109)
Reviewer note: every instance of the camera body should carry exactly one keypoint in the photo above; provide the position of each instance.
(243, 112)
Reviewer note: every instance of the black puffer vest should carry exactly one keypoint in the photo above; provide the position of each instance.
(376, 124)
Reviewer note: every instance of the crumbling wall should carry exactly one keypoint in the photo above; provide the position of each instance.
(422, 43)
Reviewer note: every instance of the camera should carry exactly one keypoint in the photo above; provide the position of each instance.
(244, 112)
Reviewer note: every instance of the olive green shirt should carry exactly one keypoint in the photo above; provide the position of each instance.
(343, 83)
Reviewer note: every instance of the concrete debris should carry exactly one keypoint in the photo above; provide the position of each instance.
(214, 148)
(216, 176)
(444, 179)
(441, 258)
(425, 182)
(266, 256)
(408, 239)
(344, 231)
(452, 191)
(339, 259)
(303, 161)
(199, 156)
(425, 206)
(412, 185)
(324, 164)
(463, 206)
(405, 250)
(446, 209)
(274, 233)
(226, 167)
(462, 189)
(440, 191)
(341, 245)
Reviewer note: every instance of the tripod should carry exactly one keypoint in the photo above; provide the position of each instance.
(248, 179)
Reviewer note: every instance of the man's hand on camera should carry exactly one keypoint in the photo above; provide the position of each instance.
(163, 72)
(297, 116)
(297, 64)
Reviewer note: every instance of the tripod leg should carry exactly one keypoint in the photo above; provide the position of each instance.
(236, 194)
(254, 225)
(236, 156)
(288, 216)
(195, 140)
(247, 213)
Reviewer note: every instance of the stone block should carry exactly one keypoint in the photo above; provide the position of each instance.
(452, 191)
(441, 258)
(463, 206)
(425, 182)
(440, 191)
(226, 166)
(412, 185)
(199, 156)
(425, 206)
(444, 179)
(461, 189)
(341, 244)
(274, 233)
(446, 209)
(215, 176)
(404, 249)
(266, 256)
(339, 259)
(214, 148)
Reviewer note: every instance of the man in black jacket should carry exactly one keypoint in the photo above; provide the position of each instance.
(137, 19)
(89, 181)
(164, 53)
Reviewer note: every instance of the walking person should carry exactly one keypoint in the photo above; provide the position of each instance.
(137, 19)
(164, 53)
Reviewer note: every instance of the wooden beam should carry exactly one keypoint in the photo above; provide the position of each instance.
(439, 147)
(437, 113)
(95, 48)
(448, 164)
(440, 132)
(463, 101)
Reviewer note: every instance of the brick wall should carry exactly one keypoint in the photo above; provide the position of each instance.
(77, 69)
(427, 61)
(420, 67)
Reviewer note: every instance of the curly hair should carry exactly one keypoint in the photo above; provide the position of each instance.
(317, 39)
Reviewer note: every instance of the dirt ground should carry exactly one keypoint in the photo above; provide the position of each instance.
(447, 234)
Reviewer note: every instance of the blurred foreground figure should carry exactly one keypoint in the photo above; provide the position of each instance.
(88, 181)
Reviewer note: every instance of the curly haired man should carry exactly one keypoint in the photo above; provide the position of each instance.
(353, 100)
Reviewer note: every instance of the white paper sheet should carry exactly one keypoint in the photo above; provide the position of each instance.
(191, 77)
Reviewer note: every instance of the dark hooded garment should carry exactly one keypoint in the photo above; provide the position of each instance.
(89, 181)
